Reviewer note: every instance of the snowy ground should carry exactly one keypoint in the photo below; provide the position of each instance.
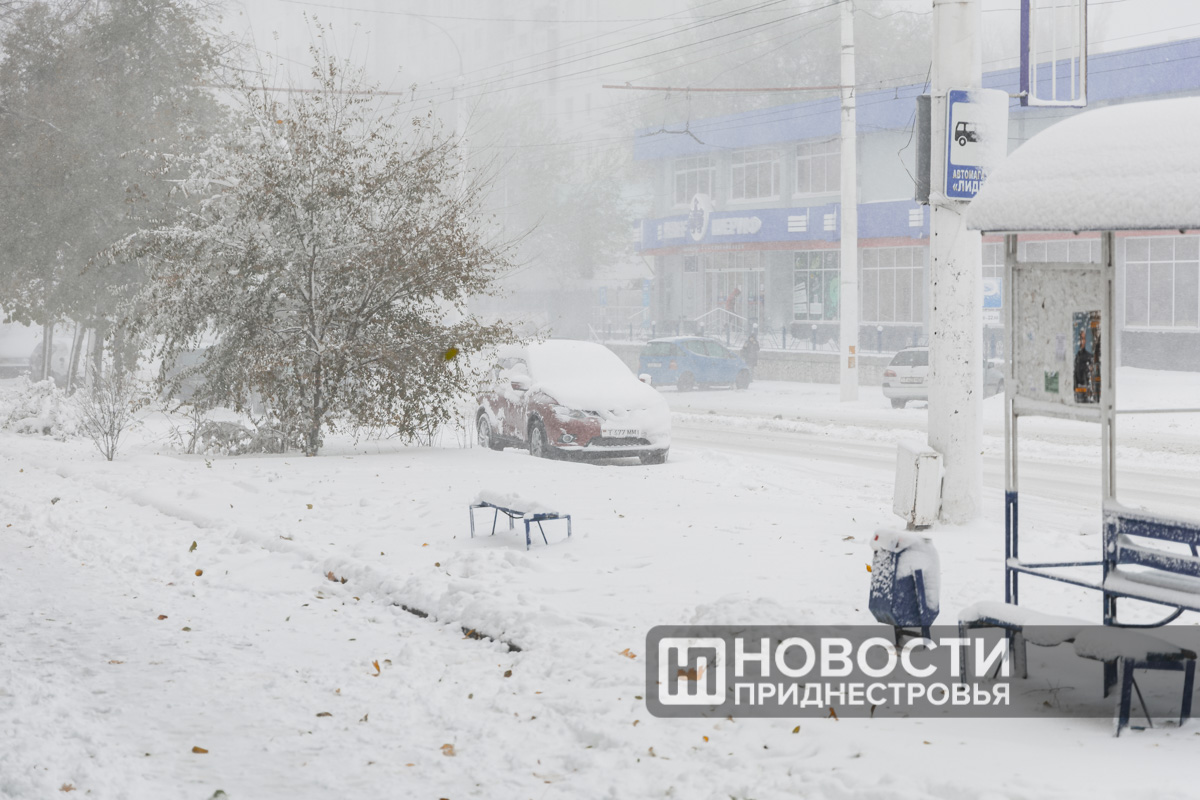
(117, 658)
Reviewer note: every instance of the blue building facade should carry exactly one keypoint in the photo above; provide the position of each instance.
(746, 223)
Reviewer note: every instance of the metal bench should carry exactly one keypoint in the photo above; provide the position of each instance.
(514, 508)
(1047, 630)
(1122, 651)
(1140, 571)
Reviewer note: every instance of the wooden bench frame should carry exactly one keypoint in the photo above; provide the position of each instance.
(514, 514)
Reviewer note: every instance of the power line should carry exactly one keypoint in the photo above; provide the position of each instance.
(585, 71)
(565, 61)
(752, 90)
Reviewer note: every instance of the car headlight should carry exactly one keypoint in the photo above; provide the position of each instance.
(563, 411)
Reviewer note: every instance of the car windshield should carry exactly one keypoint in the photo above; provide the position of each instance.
(658, 349)
(570, 362)
(911, 358)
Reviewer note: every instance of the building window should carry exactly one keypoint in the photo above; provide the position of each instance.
(1075, 251)
(893, 284)
(1162, 289)
(755, 175)
(993, 259)
(816, 285)
(818, 167)
(693, 176)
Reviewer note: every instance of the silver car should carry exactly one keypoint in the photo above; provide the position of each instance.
(907, 377)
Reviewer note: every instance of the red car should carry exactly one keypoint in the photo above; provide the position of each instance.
(571, 399)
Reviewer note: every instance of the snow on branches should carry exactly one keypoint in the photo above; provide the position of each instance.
(323, 257)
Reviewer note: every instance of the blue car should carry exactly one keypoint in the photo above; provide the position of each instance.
(689, 361)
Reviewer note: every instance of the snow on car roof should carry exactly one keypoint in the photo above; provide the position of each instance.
(1126, 167)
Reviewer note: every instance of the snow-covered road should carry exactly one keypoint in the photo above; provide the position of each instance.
(260, 637)
(1075, 479)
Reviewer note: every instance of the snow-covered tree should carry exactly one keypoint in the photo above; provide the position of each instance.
(325, 262)
(88, 92)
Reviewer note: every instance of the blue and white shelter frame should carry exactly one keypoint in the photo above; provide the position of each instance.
(1060, 325)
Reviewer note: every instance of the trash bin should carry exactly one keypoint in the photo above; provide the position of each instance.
(905, 575)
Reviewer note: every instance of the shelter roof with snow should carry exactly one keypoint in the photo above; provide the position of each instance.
(1126, 167)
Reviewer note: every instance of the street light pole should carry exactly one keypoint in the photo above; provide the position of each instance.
(848, 304)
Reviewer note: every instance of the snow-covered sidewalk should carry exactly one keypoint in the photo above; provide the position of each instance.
(254, 651)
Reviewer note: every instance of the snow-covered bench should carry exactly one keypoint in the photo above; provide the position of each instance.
(1131, 650)
(515, 507)
(1122, 650)
(1138, 570)
(1044, 630)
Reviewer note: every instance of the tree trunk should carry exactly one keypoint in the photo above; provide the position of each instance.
(47, 351)
(312, 439)
(97, 367)
(76, 352)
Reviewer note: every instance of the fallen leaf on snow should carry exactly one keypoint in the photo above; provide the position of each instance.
(447, 749)
(376, 665)
(627, 653)
(691, 674)
(162, 616)
(199, 572)
(833, 714)
(66, 787)
(193, 547)
(324, 714)
(705, 738)
(114, 661)
(868, 567)
(198, 749)
(508, 673)
(796, 729)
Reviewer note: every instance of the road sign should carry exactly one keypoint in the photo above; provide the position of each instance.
(977, 138)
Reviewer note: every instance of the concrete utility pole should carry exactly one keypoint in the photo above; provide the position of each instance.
(956, 294)
(848, 309)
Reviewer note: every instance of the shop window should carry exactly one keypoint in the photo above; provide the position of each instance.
(816, 285)
(892, 284)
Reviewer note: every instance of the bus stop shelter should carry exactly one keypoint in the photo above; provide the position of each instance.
(1132, 167)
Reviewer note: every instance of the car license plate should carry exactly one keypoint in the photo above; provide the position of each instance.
(622, 432)
(653, 363)
(912, 380)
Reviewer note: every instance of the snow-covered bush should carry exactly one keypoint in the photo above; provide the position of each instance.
(234, 438)
(37, 407)
(107, 410)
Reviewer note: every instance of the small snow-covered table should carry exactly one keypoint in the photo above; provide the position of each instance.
(1131, 650)
(514, 507)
